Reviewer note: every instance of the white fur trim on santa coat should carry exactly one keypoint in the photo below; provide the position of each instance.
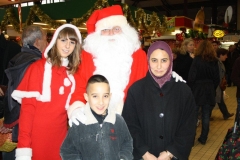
(23, 153)
(75, 105)
(54, 38)
(111, 21)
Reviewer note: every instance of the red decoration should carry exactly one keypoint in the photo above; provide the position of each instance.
(18, 38)
(179, 37)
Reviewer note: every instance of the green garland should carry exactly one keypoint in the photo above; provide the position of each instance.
(98, 5)
(196, 34)
(156, 24)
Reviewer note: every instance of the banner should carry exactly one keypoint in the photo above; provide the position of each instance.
(171, 25)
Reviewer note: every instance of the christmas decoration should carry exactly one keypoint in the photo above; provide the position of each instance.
(157, 24)
(18, 38)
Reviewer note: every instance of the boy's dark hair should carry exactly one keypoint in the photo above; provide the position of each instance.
(221, 51)
(97, 79)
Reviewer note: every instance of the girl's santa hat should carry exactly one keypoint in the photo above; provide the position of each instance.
(106, 18)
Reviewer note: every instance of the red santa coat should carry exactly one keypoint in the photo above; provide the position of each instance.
(43, 116)
(138, 70)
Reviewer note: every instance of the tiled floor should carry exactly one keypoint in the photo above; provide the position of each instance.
(218, 130)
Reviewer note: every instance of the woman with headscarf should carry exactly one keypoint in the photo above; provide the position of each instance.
(160, 113)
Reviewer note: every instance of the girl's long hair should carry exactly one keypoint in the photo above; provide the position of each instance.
(74, 57)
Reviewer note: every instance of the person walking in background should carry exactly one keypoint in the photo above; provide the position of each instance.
(160, 113)
(216, 45)
(236, 80)
(34, 42)
(104, 135)
(222, 55)
(203, 79)
(184, 60)
(232, 56)
(44, 94)
(229, 64)
(8, 50)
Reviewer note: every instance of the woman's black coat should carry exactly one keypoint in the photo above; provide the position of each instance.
(160, 119)
(203, 78)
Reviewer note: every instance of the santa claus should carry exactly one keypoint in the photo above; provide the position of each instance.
(112, 49)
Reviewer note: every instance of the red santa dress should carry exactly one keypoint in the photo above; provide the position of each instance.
(44, 94)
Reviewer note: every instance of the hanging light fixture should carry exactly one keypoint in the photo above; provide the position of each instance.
(13, 0)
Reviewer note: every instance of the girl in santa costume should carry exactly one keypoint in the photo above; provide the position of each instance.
(44, 94)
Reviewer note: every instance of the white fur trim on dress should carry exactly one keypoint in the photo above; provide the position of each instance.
(75, 105)
(54, 38)
(66, 82)
(61, 90)
(46, 90)
(70, 76)
(23, 152)
(18, 95)
(111, 21)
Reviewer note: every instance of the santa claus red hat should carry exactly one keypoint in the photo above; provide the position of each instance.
(106, 18)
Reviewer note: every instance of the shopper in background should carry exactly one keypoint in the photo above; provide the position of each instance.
(44, 94)
(203, 79)
(222, 55)
(231, 60)
(236, 80)
(184, 60)
(160, 113)
(34, 42)
(8, 49)
(229, 64)
(216, 45)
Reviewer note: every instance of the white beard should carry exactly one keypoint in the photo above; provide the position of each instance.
(113, 59)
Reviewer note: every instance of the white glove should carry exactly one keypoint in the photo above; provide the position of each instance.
(23, 154)
(177, 77)
(76, 116)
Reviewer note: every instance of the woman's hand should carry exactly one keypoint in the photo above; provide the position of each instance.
(165, 155)
(149, 156)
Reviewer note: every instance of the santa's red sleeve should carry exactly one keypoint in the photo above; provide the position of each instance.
(139, 68)
(84, 72)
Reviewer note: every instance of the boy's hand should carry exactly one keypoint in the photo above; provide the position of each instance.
(76, 116)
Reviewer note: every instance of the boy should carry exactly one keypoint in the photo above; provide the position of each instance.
(104, 135)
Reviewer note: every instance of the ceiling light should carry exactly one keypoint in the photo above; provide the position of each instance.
(13, 0)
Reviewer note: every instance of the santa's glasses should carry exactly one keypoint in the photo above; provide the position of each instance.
(114, 30)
